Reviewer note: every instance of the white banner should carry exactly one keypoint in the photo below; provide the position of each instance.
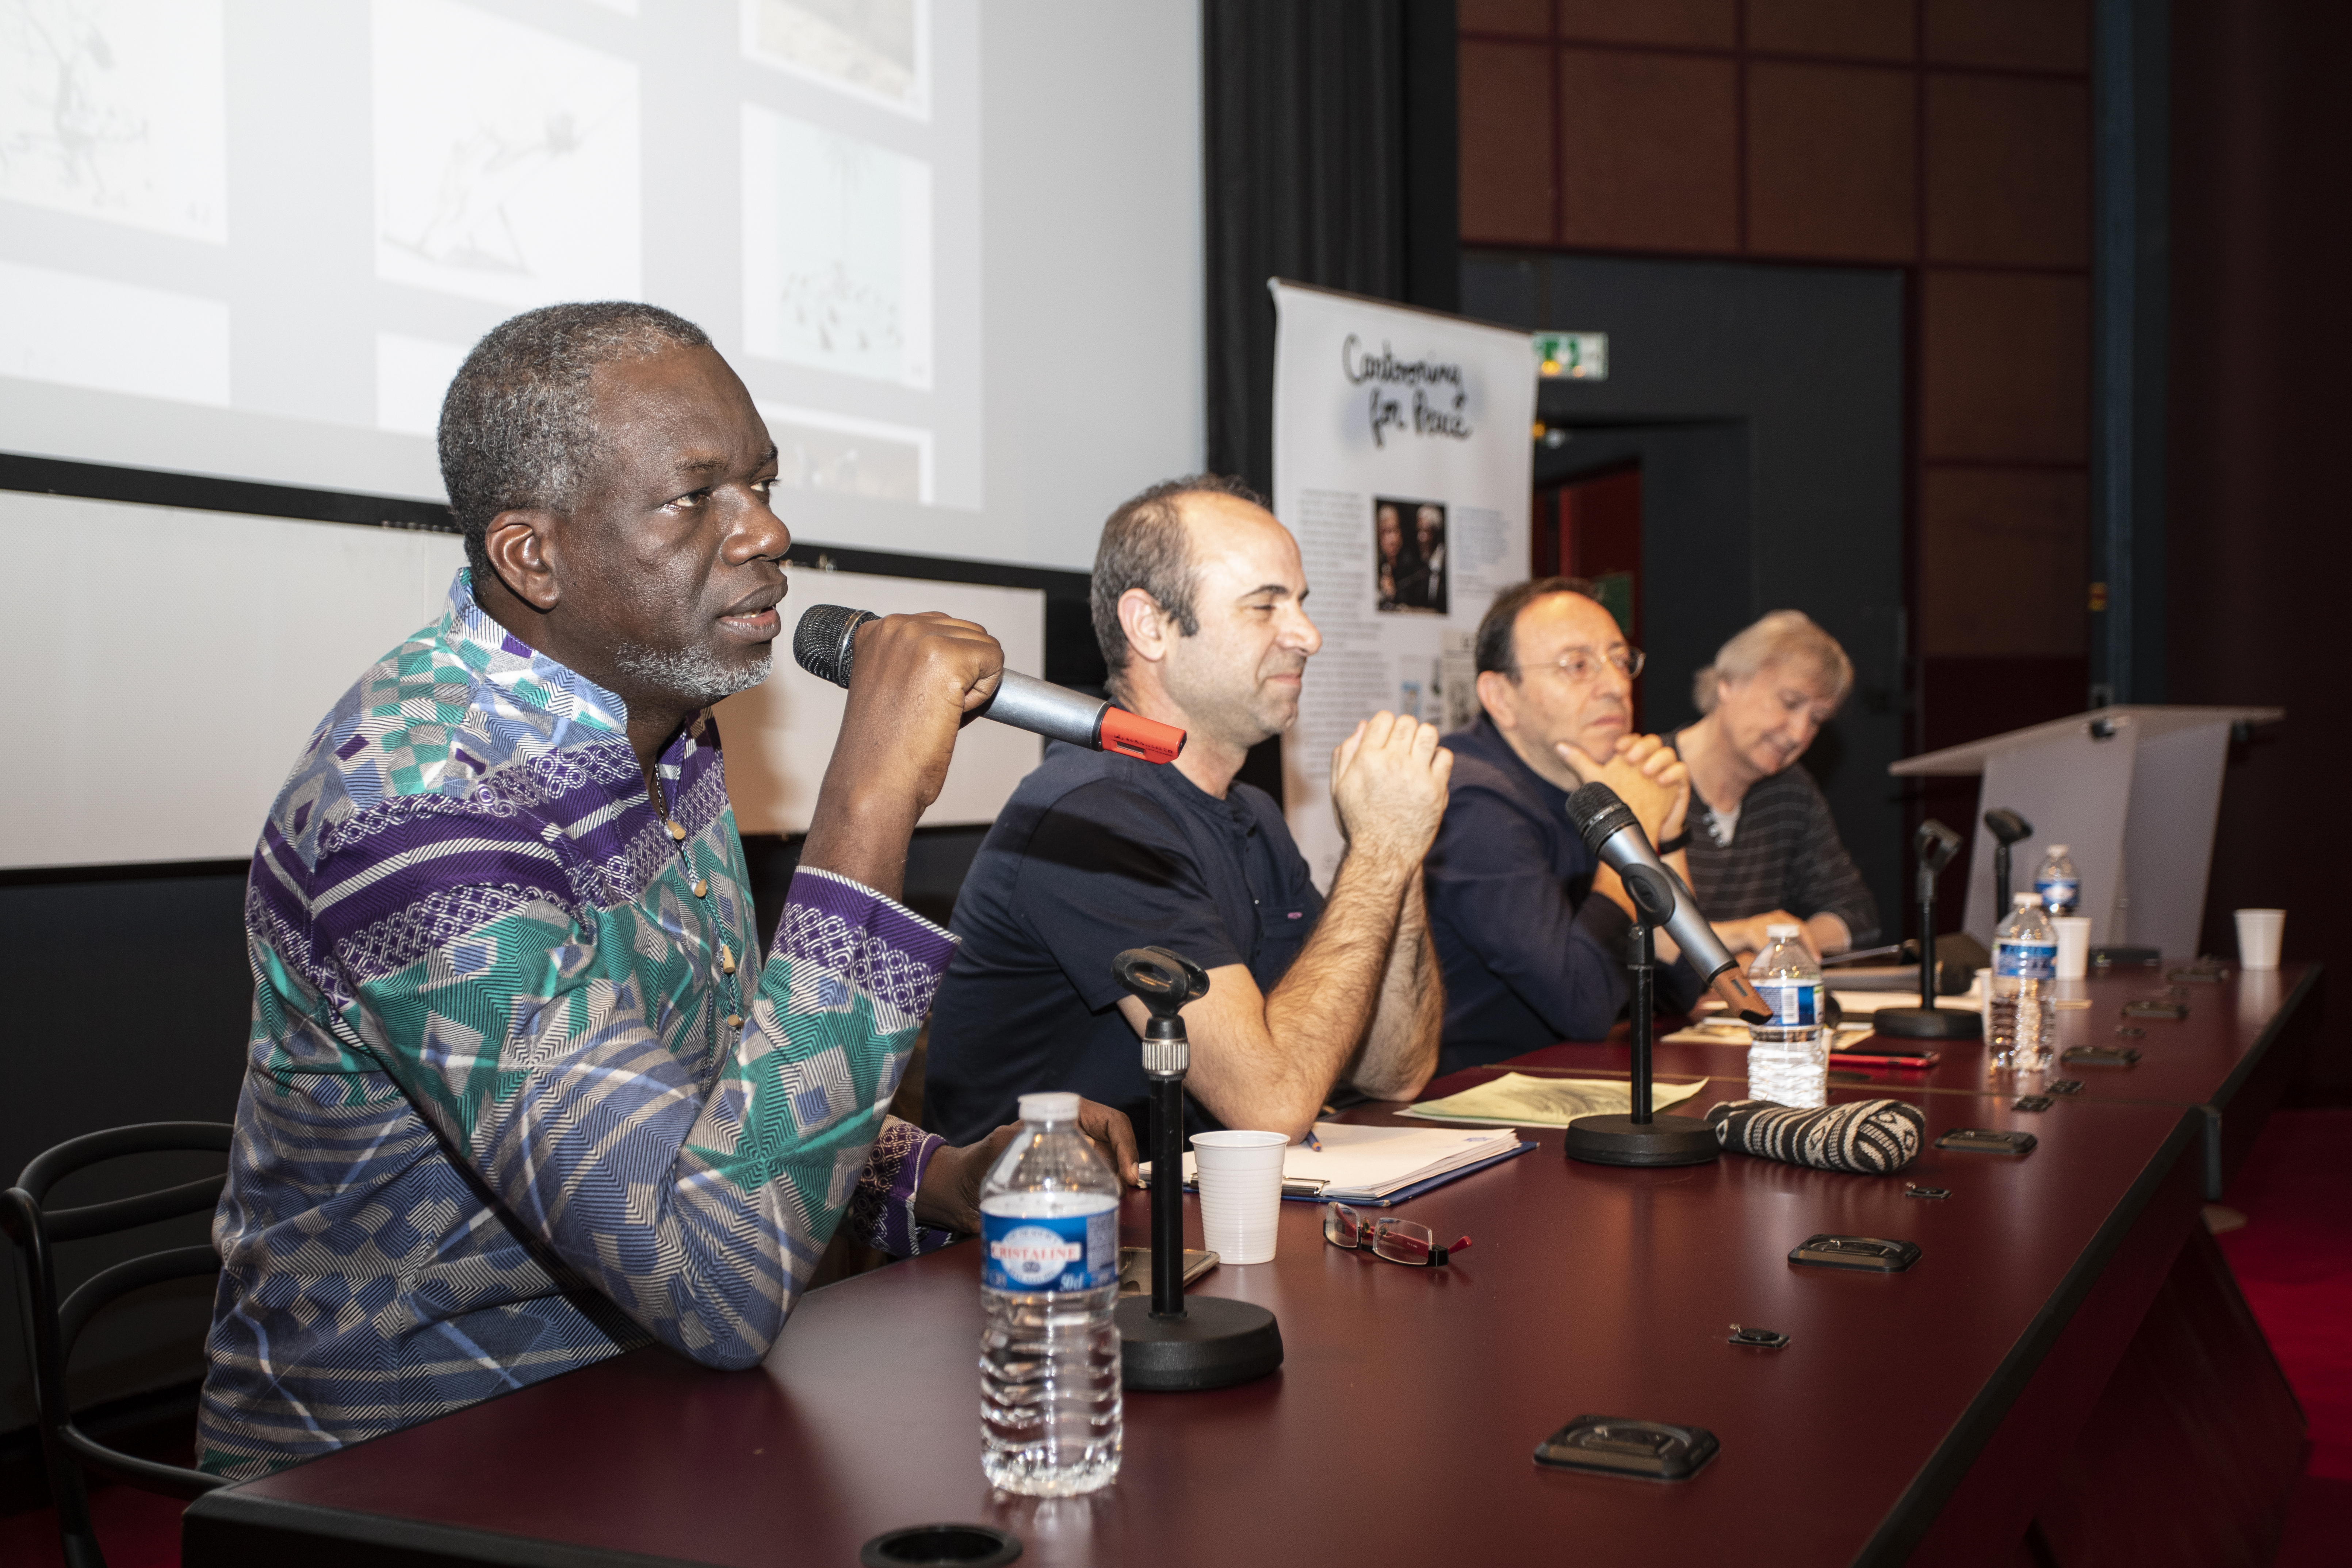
(1403, 464)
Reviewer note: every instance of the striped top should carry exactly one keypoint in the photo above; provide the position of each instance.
(1784, 854)
(520, 1092)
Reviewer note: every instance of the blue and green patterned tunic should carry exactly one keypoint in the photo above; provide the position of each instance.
(520, 1093)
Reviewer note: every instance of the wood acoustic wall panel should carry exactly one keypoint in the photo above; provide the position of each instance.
(1949, 137)
(1847, 29)
(1506, 173)
(2008, 171)
(2005, 367)
(2002, 562)
(1691, 24)
(1831, 162)
(2014, 35)
(1526, 18)
(1648, 151)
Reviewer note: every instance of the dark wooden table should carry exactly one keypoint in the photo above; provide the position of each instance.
(2066, 1374)
(1402, 1424)
(2227, 1059)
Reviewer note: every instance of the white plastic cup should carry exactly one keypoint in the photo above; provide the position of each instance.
(2074, 945)
(2259, 931)
(1241, 1193)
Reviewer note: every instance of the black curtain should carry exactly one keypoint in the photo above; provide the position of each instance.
(1329, 155)
(1329, 159)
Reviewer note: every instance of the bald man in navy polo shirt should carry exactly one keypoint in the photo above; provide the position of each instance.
(1199, 602)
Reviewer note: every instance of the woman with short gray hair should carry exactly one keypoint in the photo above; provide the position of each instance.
(1763, 846)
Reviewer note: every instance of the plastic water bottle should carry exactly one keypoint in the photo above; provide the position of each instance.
(2059, 885)
(1049, 1372)
(1788, 1058)
(2021, 1014)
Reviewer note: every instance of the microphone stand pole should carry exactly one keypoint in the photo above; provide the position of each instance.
(1641, 1138)
(1166, 1196)
(1928, 1021)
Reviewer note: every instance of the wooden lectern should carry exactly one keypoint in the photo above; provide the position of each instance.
(2131, 792)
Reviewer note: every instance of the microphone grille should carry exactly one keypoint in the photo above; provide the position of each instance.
(824, 642)
(1599, 813)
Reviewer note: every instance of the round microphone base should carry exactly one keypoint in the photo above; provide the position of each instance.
(1661, 1140)
(1927, 1024)
(1215, 1344)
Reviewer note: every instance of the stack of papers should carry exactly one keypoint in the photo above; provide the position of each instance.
(1369, 1163)
(1518, 1100)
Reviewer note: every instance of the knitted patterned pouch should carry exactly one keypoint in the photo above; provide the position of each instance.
(1867, 1138)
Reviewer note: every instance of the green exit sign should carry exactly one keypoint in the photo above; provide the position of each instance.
(1572, 356)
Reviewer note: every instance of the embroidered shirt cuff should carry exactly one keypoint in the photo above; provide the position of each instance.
(882, 949)
(882, 1212)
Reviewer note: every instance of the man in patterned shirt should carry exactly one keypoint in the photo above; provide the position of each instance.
(522, 1092)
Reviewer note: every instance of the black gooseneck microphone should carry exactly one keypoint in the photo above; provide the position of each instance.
(2006, 828)
(825, 644)
(1935, 844)
(1613, 833)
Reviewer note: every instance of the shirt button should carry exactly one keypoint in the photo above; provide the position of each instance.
(701, 889)
(734, 1020)
(676, 832)
(726, 959)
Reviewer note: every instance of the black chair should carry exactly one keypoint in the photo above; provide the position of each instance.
(52, 1329)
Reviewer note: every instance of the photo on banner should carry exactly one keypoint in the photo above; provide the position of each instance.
(1402, 464)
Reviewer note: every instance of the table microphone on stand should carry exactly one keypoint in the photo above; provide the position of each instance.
(1615, 836)
(1171, 1344)
(1937, 844)
(2007, 827)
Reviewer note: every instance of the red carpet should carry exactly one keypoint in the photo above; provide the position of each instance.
(2293, 1261)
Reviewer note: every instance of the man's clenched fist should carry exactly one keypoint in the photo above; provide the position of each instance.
(1388, 786)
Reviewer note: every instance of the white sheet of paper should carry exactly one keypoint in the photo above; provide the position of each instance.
(1371, 1162)
(1520, 1099)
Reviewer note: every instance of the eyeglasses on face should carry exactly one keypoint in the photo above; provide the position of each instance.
(1581, 664)
(1396, 1240)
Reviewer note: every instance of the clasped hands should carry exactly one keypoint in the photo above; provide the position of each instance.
(1647, 776)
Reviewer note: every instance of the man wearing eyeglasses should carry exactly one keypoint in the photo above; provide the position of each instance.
(1529, 926)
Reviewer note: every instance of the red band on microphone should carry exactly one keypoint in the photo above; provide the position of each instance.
(1137, 736)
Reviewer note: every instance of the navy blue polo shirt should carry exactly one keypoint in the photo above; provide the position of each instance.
(1530, 956)
(1094, 854)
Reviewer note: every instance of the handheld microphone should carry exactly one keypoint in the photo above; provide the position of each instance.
(1613, 833)
(826, 645)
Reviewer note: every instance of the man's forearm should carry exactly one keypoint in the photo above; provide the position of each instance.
(861, 835)
(1319, 1015)
(1400, 1050)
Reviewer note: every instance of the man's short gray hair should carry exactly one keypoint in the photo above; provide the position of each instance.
(1784, 636)
(517, 426)
(1144, 546)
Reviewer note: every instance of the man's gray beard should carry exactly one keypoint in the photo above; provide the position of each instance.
(693, 675)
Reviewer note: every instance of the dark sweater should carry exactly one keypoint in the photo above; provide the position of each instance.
(1784, 854)
(1531, 958)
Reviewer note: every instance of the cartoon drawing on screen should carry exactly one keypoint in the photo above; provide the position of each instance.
(471, 222)
(116, 110)
(506, 159)
(837, 251)
(874, 49)
(1409, 556)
